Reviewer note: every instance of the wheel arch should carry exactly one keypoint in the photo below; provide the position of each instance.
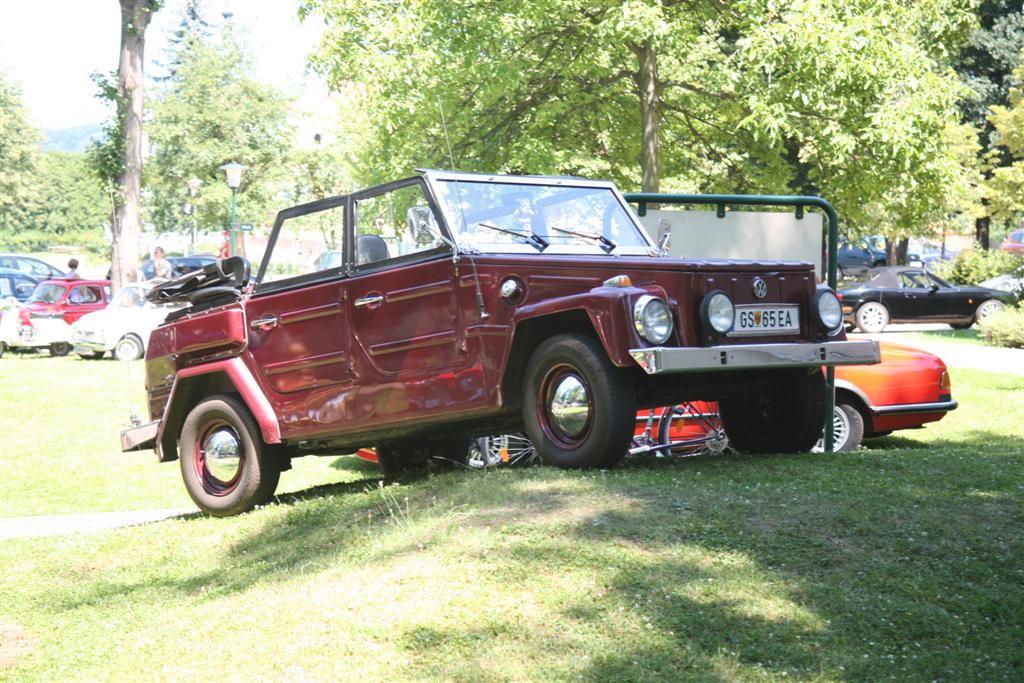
(853, 395)
(192, 385)
(528, 335)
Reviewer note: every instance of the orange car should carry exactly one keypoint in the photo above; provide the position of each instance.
(906, 390)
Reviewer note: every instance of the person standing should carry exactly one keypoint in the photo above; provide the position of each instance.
(161, 266)
(73, 270)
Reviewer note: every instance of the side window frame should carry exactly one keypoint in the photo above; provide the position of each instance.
(344, 201)
(444, 250)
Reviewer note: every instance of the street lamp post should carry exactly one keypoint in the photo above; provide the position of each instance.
(233, 171)
(193, 188)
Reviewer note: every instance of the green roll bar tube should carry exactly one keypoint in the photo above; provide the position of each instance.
(798, 202)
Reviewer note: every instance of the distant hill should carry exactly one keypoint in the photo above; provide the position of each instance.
(74, 139)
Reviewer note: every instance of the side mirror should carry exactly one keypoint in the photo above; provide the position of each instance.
(934, 288)
(422, 227)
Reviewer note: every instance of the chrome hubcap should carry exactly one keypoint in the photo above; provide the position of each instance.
(222, 454)
(570, 406)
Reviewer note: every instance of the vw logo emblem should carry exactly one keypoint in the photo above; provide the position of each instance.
(760, 288)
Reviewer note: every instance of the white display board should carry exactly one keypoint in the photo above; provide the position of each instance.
(763, 235)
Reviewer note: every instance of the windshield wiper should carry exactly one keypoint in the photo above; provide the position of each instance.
(535, 241)
(605, 243)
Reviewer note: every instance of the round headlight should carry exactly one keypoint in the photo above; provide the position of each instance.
(719, 312)
(830, 311)
(652, 319)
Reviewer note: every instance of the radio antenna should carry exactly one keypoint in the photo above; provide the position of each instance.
(462, 214)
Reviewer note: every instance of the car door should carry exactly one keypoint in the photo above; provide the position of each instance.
(407, 336)
(951, 303)
(82, 299)
(298, 331)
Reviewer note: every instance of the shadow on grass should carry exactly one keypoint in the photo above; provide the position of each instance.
(887, 562)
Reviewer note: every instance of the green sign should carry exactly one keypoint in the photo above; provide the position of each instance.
(245, 227)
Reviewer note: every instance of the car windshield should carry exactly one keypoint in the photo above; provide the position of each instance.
(46, 293)
(130, 297)
(511, 217)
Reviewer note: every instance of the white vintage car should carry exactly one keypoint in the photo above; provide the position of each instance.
(123, 327)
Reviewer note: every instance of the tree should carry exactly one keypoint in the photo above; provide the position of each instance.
(210, 110)
(118, 157)
(846, 99)
(19, 161)
(68, 206)
(985, 64)
(1005, 187)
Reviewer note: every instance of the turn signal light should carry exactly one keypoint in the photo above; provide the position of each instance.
(944, 382)
(619, 281)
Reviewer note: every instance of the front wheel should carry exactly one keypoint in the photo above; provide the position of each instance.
(787, 417)
(872, 317)
(129, 347)
(987, 308)
(579, 409)
(226, 467)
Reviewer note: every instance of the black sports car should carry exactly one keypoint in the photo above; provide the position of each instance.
(905, 294)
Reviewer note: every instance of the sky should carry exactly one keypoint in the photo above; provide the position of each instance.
(51, 48)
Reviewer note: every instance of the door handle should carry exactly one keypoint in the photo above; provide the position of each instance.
(264, 323)
(371, 300)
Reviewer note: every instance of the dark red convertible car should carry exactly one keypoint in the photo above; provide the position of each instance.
(465, 304)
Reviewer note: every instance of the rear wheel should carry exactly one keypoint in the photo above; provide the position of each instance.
(60, 349)
(226, 467)
(786, 418)
(872, 317)
(847, 426)
(129, 347)
(579, 409)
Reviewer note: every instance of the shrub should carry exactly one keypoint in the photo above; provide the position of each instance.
(976, 265)
(1005, 328)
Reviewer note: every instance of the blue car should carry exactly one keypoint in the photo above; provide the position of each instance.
(14, 283)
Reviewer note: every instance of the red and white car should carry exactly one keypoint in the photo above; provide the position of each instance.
(44, 322)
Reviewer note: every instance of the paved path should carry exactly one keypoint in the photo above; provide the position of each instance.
(82, 523)
(955, 355)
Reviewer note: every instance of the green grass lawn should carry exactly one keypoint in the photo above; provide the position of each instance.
(969, 336)
(901, 561)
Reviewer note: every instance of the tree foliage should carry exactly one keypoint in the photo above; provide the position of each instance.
(68, 206)
(849, 99)
(210, 110)
(19, 161)
(1005, 186)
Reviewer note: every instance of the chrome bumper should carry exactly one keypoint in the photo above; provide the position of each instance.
(663, 360)
(139, 438)
(911, 408)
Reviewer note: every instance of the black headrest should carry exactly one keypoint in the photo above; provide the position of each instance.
(370, 248)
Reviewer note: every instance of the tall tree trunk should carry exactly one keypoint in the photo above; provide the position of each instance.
(981, 226)
(901, 251)
(650, 117)
(135, 17)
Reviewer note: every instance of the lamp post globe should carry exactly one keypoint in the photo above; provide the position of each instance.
(233, 171)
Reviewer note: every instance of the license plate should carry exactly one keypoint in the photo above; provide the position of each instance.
(84, 350)
(761, 320)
